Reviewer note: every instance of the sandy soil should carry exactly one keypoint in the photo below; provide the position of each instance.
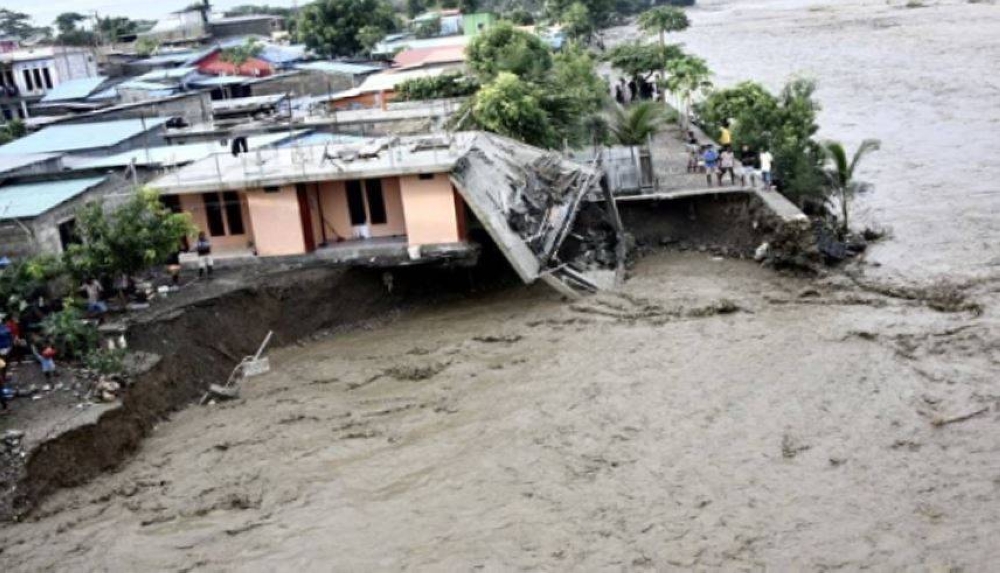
(638, 429)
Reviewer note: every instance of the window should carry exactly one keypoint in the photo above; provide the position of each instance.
(356, 203)
(234, 212)
(213, 214)
(27, 81)
(38, 78)
(425, 176)
(172, 202)
(7, 114)
(47, 76)
(376, 202)
(9, 74)
(67, 234)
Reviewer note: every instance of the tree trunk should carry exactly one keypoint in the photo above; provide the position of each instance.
(844, 227)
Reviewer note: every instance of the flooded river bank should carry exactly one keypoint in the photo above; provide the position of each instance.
(922, 80)
(711, 415)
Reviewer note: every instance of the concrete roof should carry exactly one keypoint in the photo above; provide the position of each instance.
(384, 157)
(79, 137)
(167, 74)
(171, 155)
(74, 89)
(246, 103)
(33, 199)
(388, 80)
(29, 54)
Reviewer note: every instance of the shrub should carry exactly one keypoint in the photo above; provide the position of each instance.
(70, 334)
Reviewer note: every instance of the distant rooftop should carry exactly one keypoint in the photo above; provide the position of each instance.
(383, 157)
(33, 199)
(80, 137)
(343, 68)
(74, 89)
(171, 155)
(10, 163)
(28, 54)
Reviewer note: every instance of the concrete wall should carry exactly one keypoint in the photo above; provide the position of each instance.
(429, 208)
(195, 206)
(277, 225)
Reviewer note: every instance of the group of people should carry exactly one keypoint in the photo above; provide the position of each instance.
(718, 162)
(638, 89)
(20, 337)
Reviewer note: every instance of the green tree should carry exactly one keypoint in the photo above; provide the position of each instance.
(70, 34)
(146, 46)
(840, 173)
(241, 54)
(444, 86)
(662, 20)
(12, 130)
(641, 59)
(67, 21)
(520, 17)
(344, 27)
(414, 8)
(16, 24)
(503, 48)
(577, 22)
(428, 28)
(687, 76)
(512, 107)
(636, 124)
(115, 28)
(134, 236)
(599, 11)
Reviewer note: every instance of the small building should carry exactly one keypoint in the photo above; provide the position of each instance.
(27, 75)
(379, 89)
(250, 24)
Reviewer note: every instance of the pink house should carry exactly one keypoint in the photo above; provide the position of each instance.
(382, 197)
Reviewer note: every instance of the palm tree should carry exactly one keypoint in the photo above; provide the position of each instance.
(688, 76)
(840, 174)
(635, 125)
(662, 20)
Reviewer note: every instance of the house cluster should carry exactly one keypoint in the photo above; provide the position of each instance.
(282, 154)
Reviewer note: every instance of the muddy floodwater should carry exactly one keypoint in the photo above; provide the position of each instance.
(711, 414)
(922, 80)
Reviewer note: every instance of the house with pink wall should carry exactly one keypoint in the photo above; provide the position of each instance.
(398, 199)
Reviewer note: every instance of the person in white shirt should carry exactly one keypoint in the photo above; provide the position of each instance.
(766, 160)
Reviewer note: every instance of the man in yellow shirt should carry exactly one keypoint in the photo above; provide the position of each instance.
(725, 136)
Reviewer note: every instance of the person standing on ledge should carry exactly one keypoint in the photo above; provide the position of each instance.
(766, 161)
(711, 159)
(725, 136)
(204, 249)
(748, 160)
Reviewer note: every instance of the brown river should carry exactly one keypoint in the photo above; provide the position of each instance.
(712, 415)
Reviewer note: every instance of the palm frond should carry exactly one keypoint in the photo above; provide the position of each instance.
(866, 147)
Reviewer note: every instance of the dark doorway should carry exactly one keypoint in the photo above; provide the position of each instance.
(305, 215)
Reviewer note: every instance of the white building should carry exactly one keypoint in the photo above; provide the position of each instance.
(26, 75)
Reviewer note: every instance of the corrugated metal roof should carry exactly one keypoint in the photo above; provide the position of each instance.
(170, 155)
(74, 89)
(167, 74)
(171, 58)
(14, 162)
(33, 199)
(141, 85)
(207, 81)
(278, 54)
(343, 68)
(80, 136)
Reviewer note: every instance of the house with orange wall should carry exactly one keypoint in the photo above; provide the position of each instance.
(414, 198)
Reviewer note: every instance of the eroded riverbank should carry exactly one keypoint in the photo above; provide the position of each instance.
(659, 426)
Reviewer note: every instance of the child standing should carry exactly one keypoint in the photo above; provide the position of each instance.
(47, 358)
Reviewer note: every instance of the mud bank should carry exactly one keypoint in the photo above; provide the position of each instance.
(199, 342)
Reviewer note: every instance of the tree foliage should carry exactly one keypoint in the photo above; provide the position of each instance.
(784, 124)
(444, 86)
(12, 130)
(126, 240)
(687, 76)
(637, 123)
(242, 53)
(840, 175)
(642, 59)
(662, 20)
(70, 34)
(512, 107)
(345, 27)
(504, 48)
(16, 24)
(577, 22)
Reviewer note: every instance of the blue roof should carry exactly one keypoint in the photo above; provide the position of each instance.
(320, 139)
(167, 74)
(344, 68)
(203, 81)
(143, 85)
(170, 58)
(169, 155)
(74, 89)
(33, 199)
(79, 137)
(277, 54)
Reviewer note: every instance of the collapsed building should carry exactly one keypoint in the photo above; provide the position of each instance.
(404, 201)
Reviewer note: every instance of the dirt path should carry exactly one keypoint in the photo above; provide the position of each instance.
(658, 427)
